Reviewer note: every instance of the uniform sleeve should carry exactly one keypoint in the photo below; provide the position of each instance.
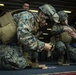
(57, 29)
(25, 36)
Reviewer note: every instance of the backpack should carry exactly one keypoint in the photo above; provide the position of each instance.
(8, 26)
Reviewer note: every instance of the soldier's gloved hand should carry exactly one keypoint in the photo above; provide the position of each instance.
(47, 46)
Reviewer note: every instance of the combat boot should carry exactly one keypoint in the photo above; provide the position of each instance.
(61, 60)
(37, 65)
(34, 63)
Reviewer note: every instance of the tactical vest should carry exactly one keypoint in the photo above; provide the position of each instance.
(64, 37)
(8, 26)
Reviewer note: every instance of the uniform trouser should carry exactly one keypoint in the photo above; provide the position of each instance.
(60, 50)
(72, 53)
(32, 55)
(11, 57)
(60, 47)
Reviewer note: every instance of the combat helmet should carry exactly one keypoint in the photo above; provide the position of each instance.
(62, 15)
(50, 11)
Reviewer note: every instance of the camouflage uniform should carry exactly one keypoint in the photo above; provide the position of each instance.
(69, 40)
(61, 39)
(11, 57)
(26, 32)
(60, 47)
(28, 28)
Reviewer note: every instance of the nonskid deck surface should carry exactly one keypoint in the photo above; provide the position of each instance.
(53, 68)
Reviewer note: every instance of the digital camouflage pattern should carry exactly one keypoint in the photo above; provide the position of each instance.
(27, 33)
(72, 52)
(11, 57)
(57, 31)
(27, 28)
